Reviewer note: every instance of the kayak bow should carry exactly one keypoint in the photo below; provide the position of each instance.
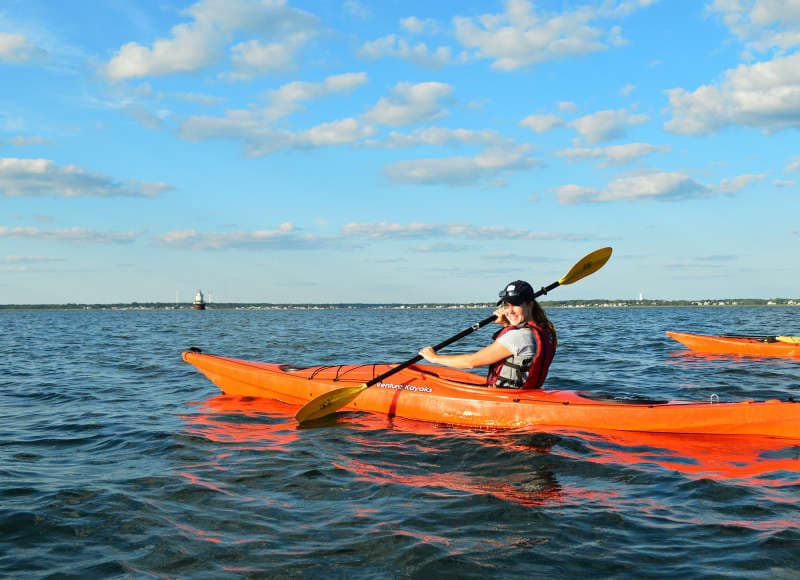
(450, 396)
(771, 346)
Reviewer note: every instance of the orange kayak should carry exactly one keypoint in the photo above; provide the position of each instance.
(753, 346)
(449, 396)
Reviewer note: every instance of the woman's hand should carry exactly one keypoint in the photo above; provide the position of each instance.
(427, 353)
(500, 316)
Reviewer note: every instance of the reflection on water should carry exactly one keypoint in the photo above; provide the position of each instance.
(269, 426)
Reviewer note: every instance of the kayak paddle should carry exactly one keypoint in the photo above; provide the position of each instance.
(334, 400)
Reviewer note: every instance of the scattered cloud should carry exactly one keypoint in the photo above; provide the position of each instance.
(442, 136)
(42, 177)
(615, 154)
(439, 248)
(390, 231)
(17, 48)
(28, 141)
(485, 167)
(290, 97)
(606, 125)
(761, 24)
(254, 127)
(357, 9)
(23, 264)
(662, 186)
(737, 183)
(213, 24)
(653, 185)
(253, 57)
(522, 37)
(285, 237)
(410, 104)
(414, 25)
(542, 123)
(765, 95)
(79, 235)
(418, 53)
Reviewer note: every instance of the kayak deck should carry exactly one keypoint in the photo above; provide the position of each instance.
(751, 346)
(450, 396)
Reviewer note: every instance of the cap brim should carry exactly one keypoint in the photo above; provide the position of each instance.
(515, 300)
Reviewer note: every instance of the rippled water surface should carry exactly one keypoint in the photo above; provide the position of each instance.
(119, 460)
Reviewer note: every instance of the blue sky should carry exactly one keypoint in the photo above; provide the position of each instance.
(353, 151)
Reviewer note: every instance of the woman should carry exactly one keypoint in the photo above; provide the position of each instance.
(522, 350)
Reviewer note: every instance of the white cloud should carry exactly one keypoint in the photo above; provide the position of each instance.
(656, 185)
(24, 264)
(213, 24)
(29, 259)
(285, 237)
(410, 104)
(486, 168)
(442, 136)
(388, 231)
(764, 95)
(42, 177)
(606, 125)
(80, 235)
(521, 37)
(737, 183)
(253, 57)
(615, 154)
(414, 25)
(254, 126)
(541, 123)
(341, 132)
(394, 46)
(357, 9)
(660, 186)
(793, 165)
(28, 141)
(288, 98)
(16, 48)
(762, 24)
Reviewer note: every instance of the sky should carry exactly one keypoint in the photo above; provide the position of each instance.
(345, 151)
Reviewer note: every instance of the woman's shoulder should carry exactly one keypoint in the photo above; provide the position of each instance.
(520, 333)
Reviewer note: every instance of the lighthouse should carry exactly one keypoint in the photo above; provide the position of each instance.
(199, 303)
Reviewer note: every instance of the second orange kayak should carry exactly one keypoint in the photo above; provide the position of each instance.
(752, 346)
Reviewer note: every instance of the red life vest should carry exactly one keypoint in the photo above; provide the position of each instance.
(545, 341)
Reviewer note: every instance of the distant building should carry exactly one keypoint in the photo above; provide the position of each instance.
(199, 303)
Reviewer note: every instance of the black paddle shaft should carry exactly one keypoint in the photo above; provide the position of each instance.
(452, 339)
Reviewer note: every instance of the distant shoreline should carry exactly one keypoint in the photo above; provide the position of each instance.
(417, 306)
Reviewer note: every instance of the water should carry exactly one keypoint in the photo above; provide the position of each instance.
(119, 460)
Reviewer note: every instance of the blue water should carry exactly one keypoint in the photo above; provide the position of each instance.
(119, 460)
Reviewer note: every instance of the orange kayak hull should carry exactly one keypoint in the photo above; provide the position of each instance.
(449, 396)
(735, 345)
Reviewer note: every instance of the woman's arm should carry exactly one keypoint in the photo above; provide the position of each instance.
(486, 356)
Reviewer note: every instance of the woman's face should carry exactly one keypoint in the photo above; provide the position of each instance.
(516, 314)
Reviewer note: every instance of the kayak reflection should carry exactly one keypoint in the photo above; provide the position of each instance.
(424, 457)
(749, 460)
(268, 425)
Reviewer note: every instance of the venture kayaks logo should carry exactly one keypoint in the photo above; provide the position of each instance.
(412, 388)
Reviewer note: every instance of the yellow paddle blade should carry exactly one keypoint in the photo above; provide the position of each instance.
(791, 339)
(589, 264)
(328, 403)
